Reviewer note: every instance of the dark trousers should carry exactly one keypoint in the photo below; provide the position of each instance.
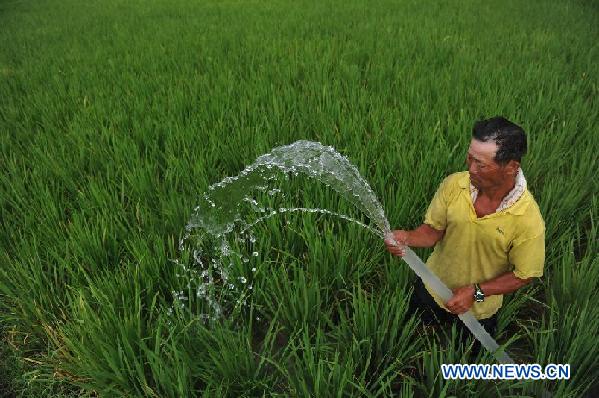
(430, 312)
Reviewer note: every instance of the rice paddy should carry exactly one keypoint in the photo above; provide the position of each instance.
(116, 116)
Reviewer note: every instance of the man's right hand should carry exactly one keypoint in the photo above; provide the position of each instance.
(397, 248)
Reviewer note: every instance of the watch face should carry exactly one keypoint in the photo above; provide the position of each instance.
(479, 296)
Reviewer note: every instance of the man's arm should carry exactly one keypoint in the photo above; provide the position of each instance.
(463, 297)
(423, 236)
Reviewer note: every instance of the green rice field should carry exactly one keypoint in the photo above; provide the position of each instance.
(115, 116)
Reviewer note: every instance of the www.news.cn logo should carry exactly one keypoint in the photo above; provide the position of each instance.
(532, 371)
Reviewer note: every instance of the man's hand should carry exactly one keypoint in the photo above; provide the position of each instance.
(423, 236)
(462, 300)
(397, 248)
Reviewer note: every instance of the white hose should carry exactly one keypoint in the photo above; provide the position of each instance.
(443, 291)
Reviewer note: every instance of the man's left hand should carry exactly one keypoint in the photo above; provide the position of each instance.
(462, 300)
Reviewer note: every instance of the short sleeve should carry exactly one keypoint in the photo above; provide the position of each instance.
(436, 214)
(528, 256)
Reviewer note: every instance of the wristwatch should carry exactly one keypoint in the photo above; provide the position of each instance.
(479, 296)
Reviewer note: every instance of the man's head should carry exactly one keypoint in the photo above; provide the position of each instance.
(495, 152)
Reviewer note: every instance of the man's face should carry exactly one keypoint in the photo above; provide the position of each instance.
(484, 171)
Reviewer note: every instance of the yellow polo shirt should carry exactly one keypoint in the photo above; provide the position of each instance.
(475, 250)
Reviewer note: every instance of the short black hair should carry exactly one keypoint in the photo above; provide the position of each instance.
(509, 137)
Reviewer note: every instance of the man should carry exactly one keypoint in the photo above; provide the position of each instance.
(487, 230)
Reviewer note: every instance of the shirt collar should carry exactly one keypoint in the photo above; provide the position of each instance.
(511, 202)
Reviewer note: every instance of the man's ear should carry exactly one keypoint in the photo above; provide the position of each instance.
(512, 167)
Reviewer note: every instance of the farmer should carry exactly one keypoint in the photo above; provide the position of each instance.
(487, 230)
